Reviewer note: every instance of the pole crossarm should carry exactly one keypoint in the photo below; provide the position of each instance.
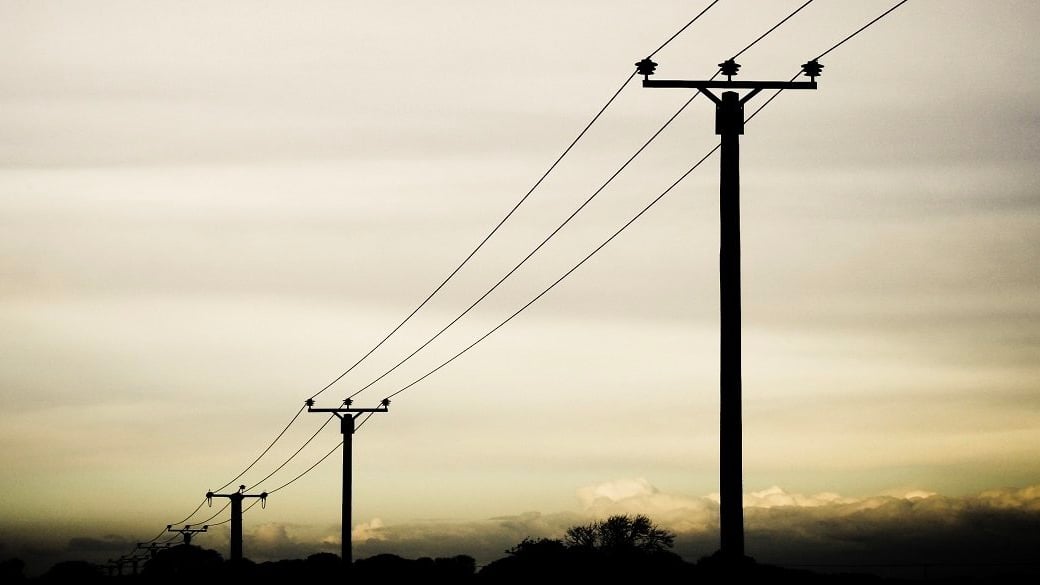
(187, 532)
(347, 409)
(239, 494)
(708, 84)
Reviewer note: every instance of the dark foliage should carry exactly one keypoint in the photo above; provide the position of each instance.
(12, 571)
(73, 572)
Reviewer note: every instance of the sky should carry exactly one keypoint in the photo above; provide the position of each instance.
(209, 211)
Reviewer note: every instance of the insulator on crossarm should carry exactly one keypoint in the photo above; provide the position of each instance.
(646, 68)
(812, 69)
(729, 68)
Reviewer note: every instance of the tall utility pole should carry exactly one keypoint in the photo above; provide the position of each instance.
(236, 515)
(346, 415)
(187, 532)
(729, 124)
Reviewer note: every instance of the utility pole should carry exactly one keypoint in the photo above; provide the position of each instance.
(187, 532)
(152, 548)
(729, 124)
(346, 415)
(236, 515)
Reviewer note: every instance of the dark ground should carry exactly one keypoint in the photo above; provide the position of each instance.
(542, 562)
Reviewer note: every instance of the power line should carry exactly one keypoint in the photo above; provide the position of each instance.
(217, 513)
(540, 245)
(586, 258)
(681, 30)
(835, 46)
(559, 280)
(534, 251)
(264, 452)
(775, 26)
(537, 183)
(861, 29)
(295, 453)
(551, 168)
(581, 207)
(306, 471)
(634, 218)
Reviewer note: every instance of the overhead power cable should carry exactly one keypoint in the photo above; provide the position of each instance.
(574, 213)
(634, 218)
(768, 32)
(469, 256)
(308, 470)
(544, 241)
(596, 250)
(533, 251)
(860, 29)
(510, 213)
(264, 452)
(683, 29)
(295, 453)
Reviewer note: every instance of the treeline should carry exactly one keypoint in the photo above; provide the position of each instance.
(620, 549)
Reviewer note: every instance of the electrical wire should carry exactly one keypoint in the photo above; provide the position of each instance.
(634, 218)
(264, 452)
(535, 250)
(561, 279)
(775, 26)
(451, 275)
(363, 421)
(582, 206)
(823, 54)
(680, 31)
(565, 275)
(537, 183)
(551, 168)
(540, 245)
(217, 513)
(295, 453)
(861, 29)
(306, 471)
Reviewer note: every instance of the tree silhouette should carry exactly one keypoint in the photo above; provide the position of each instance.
(619, 534)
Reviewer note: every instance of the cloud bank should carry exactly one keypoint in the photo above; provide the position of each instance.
(905, 534)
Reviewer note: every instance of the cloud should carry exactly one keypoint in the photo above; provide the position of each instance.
(911, 528)
(367, 531)
(107, 543)
(905, 529)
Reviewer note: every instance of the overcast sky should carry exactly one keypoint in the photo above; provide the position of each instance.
(208, 211)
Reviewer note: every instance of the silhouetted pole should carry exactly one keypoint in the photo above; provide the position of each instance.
(187, 532)
(153, 547)
(729, 124)
(236, 515)
(346, 416)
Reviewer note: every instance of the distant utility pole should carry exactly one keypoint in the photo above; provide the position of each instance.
(236, 515)
(729, 124)
(153, 547)
(346, 416)
(187, 532)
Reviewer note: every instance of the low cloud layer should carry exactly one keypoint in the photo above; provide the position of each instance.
(899, 534)
(903, 534)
